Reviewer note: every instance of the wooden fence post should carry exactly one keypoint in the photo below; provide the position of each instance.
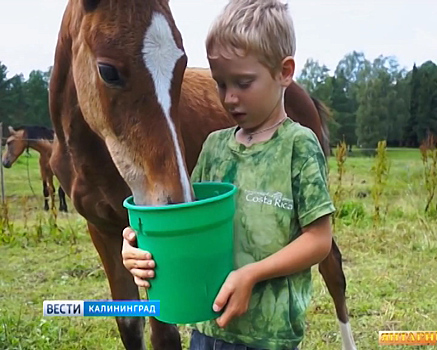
(1, 165)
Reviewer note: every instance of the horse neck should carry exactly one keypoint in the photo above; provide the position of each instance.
(43, 147)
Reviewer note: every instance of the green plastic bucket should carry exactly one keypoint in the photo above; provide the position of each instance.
(192, 245)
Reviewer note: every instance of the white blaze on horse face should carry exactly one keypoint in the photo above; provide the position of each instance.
(160, 54)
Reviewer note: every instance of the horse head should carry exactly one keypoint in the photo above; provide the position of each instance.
(16, 144)
(128, 63)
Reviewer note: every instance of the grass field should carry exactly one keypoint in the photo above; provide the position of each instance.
(390, 268)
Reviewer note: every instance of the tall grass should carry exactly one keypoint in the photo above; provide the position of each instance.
(340, 156)
(428, 152)
(380, 172)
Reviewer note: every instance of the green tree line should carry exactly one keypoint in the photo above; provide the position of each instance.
(369, 101)
(24, 102)
(374, 101)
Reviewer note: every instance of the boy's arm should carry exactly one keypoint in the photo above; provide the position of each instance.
(310, 248)
(197, 173)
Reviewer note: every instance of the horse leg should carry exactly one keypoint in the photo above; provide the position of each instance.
(47, 184)
(45, 192)
(164, 336)
(62, 200)
(121, 282)
(332, 272)
(52, 190)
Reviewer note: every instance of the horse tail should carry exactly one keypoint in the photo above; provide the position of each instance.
(324, 115)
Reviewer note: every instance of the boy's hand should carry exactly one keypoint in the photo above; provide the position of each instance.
(235, 294)
(137, 261)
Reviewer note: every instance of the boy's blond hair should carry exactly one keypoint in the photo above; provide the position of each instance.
(263, 28)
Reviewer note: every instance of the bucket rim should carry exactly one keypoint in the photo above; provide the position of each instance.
(128, 202)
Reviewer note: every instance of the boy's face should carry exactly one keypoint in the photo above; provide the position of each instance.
(247, 89)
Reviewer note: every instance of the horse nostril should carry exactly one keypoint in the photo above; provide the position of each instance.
(6, 164)
(170, 201)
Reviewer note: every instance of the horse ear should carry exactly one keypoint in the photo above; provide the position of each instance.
(90, 5)
(11, 130)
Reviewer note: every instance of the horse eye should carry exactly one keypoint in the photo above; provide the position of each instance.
(110, 74)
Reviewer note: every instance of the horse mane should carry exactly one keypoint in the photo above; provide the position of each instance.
(36, 132)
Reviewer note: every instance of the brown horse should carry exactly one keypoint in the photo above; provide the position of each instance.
(40, 139)
(131, 119)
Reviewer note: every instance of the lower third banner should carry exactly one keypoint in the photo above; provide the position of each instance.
(124, 308)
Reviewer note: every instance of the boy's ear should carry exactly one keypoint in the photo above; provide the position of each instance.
(287, 73)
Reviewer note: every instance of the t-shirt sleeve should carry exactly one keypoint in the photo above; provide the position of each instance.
(196, 175)
(310, 189)
(198, 172)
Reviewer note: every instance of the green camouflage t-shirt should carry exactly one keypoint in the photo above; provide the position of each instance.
(282, 187)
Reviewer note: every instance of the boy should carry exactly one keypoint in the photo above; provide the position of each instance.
(282, 223)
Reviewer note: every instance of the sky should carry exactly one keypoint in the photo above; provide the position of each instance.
(326, 30)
